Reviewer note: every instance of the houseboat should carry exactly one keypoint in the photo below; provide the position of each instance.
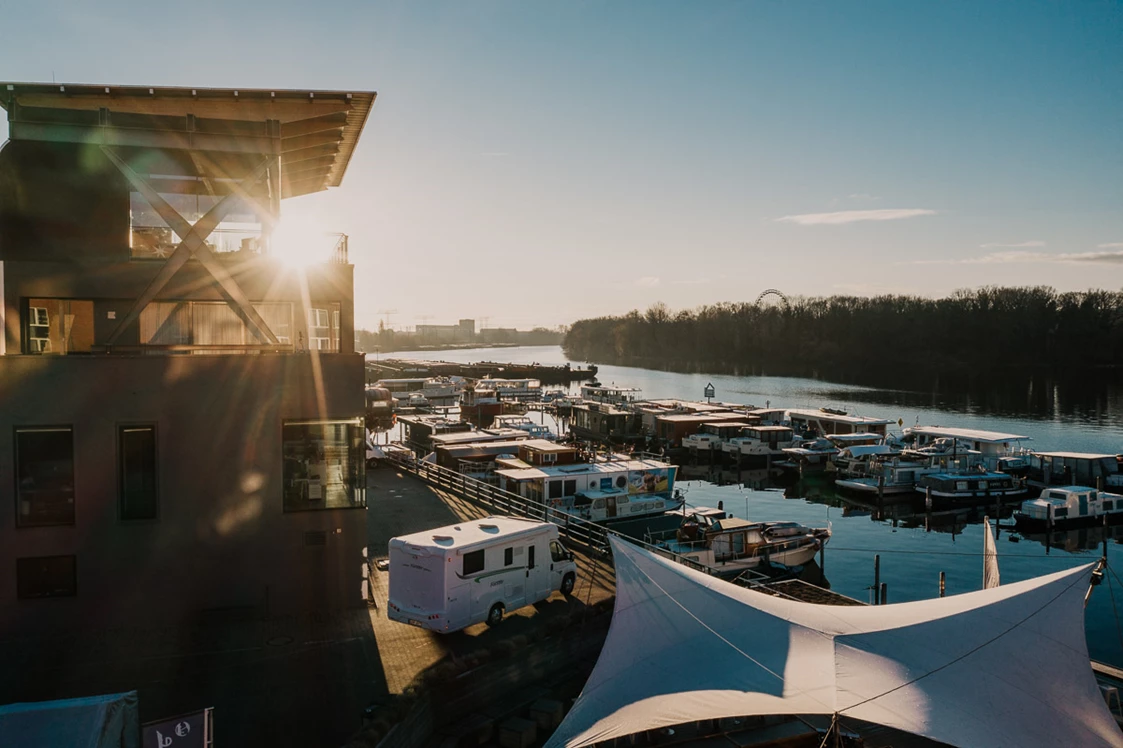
(602, 422)
(597, 393)
(712, 436)
(419, 430)
(973, 486)
(523, 423)
(1048, 469)
(827, 421)
(438, 392)
(509, 390)
(730, 545)
(760, 443)
(617, 489)
(858, 461)
(809, 454)
(998, 451)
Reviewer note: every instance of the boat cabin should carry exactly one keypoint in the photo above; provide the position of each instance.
(418, 431)
(601, 421)
(711, 435)
(970, 485)
(993, 446)
(630, 477)
(611, 395)
(1080, 468)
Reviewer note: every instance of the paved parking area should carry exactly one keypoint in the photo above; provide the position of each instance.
(401, 504)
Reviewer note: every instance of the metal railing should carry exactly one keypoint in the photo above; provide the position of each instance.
(577, 531)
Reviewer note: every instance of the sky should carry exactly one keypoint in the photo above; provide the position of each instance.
(531, 163)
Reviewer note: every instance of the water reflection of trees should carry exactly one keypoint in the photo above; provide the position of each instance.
(988, 350)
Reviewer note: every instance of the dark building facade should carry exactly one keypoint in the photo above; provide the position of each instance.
(181, 428)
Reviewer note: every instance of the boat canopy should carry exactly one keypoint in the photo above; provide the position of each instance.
(978, 435)
(1006, 666)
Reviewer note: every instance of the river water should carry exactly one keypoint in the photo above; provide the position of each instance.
(1081, 417)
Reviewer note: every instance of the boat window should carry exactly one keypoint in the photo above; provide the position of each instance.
(569, 487)
(1094, 495)
(1061, 511)
(598, 504)
(473, 562)
(1057, 495)
(555, 489)
(621, 481)
(961, 485)
(1109, 505)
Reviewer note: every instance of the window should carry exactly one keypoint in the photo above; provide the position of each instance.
(44, 476)
(555, 489)
(557, 553)
(136, 471)
(324, 464)
(569, 487)
(210, 323)
(46, 576)
(473, 562)
(323, 327)
(1109, 506)
(1061, 512)
(59, 325)
(150, 237)
(508, 556)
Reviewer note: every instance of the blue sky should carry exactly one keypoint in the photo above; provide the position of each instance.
(534, 163)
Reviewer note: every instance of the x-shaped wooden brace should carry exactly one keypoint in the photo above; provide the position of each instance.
(194, 245)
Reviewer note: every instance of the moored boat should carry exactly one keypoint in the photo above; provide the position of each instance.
(971, 485)
(1069, 506)
(730, 545)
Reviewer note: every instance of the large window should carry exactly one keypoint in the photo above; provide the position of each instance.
(324, 464)
(44, 476)
(46, 576)
(211, 323)
(150, 237)
(136, 471)
(59, 326)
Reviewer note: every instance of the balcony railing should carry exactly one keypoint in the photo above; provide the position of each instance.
(158, 242)
(339, 251)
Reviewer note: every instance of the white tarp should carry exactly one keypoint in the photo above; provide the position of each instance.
(1006, 666)
(108, 721)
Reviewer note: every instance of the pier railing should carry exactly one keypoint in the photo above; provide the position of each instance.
(575, 531)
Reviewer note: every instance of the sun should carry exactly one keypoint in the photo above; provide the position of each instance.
(298, 242)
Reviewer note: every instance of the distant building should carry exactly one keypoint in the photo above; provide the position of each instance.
(462, 332)
(182, 423)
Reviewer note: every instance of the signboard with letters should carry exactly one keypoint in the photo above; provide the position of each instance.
(195, 730)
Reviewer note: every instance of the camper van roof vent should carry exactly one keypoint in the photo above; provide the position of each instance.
(442, 539)
(489, 528)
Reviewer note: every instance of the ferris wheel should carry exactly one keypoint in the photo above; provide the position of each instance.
(772, 297)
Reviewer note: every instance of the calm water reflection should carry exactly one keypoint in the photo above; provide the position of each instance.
(914, 548)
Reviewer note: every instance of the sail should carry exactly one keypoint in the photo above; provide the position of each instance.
(990, 557)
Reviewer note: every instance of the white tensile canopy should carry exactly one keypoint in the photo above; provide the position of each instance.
(1006, 666)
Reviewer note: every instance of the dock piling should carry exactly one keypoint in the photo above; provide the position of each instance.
(884, 594)
(877, 579)
(943, 586)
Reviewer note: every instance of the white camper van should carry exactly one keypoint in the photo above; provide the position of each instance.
(451, 577)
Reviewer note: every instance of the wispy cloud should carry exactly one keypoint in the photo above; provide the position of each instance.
(648, 281)
(853, 216)
(1003, 258)
(1110, 245)
(1022, 245)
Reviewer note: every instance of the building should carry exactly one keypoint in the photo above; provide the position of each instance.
(182, 427)
(462, 332)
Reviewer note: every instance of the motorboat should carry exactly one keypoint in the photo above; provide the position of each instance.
(760, 442)
(713, 436)
(524, 423)
(860, 460)
(891, 476)
(729, 545)
(1069, 506)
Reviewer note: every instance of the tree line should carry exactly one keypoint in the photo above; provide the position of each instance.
(879, 340)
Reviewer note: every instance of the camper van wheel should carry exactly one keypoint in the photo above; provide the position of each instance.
(567, 585)
(495, 615)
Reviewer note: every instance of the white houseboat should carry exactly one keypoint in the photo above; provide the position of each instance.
(860, 460)
(730, 545)
(998, 451)
(713, 436)
(1047, 469)
(613, 395)
(523, 423)
(598, 491)
(760, 443)
(1068, 507)
(439, 392)
(891, 476)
